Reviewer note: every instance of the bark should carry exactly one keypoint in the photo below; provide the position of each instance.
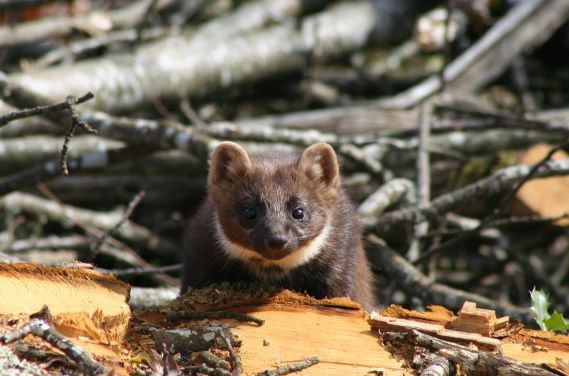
(190, 66)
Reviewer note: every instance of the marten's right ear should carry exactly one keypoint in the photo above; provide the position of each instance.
(320, 164)
(229, 163)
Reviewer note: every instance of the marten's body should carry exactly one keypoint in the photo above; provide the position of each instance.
(280, 218)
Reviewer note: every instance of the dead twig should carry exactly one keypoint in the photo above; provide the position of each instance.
(74, 49)
(127, 214)
(237, 365)
(87, 161)
(205, 370)
(140, 132)
(290, 368)
(95, 223)
(472, 361)
(142, 271)
(42, 329)
(151, 8)
(503, 207)
(213, 361)
(76, 122)
(44, 109)
(423, 178)
(494, 184)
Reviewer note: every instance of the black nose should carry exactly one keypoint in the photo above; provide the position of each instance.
(275, 241)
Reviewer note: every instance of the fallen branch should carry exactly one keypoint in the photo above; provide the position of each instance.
(197, 64)
(142, 271)
(232, 131)
(391, 193)
(42, 329)
(62, 213)
(76, 122)
(494, 184)
(72, 50)
(132, 131)
(196, 339)
(85, 162)
(127, 214)
(435, 365)
(41, 149)
(213, 361)
(235, 357)
(526, 26)
(473, 362)
(417, 284)
(423, 177)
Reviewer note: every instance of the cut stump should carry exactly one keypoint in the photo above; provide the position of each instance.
(88, 307)
(294, 327)
(546, 197)
(297, 327)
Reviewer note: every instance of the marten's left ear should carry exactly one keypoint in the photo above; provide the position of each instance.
(319, 162)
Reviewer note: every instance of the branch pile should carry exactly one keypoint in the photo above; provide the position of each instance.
(108, 114)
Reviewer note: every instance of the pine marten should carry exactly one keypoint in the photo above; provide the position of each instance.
(284, 219)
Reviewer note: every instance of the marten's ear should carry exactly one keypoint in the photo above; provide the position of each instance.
(229, 163)
(320, 164)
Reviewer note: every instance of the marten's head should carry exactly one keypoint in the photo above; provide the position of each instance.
(273, 211)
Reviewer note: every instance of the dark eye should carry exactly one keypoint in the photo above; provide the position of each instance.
(249, 213)
(298, 213)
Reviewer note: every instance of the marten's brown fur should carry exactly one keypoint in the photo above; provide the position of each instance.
(280, 218)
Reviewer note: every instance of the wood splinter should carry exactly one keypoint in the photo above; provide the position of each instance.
(478, 320)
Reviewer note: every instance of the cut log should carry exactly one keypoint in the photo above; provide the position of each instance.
(261, 328)
(477, 320)
(297, 327)
(546, 198)
(86, 306)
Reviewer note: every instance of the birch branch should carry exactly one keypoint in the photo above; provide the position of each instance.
(388, 194)
(19, 153)
(50, 169)
(416, 283)
(67, 214)
(526, 26)
(187, 67)
(494, 184)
